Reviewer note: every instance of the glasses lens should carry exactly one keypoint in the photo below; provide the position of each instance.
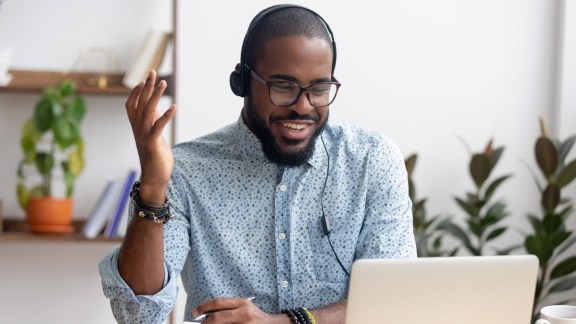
(322, 94)
(286, 94)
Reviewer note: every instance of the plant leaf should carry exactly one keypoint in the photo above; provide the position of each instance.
(468, 208)
(496, 154)
(43, 115)
(457, 232)
(495, 233)
(66, 87)
(567, 175)
(77, 109)
(410, 163)
(494, 185)
(479, 169)
(536, 224)
(540, 247)
(563, 285)
(546, 156)
(550, 197)
(567, 244)
(44, 162)
(566, 146)
(66, 132)
(564, 268)
(23, 195)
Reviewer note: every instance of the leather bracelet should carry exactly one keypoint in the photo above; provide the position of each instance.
(159, 214)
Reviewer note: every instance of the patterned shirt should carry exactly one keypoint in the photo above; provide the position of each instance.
(245, 227)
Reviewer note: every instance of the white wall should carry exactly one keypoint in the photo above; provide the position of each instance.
(58, 282)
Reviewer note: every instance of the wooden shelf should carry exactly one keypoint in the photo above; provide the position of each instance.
(35, 81)
(16, 230)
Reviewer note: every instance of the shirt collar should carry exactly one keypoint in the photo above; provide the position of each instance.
(251, 147)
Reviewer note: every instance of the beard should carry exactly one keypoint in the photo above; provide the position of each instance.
(270, 147)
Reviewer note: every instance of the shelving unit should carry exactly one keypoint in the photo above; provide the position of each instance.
(34, 81)
(29, 81)
(15, 230)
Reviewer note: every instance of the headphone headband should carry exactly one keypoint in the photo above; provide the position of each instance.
(239, 80)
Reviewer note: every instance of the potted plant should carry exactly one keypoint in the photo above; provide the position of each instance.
(551, 238)
(53, 154)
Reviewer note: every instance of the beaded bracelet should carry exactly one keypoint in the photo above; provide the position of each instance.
(299, 315)
(310, 316)
(159, 214)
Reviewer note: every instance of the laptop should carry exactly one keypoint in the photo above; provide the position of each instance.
(443, 290)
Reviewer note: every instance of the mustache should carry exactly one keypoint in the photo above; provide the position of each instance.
(295, 116)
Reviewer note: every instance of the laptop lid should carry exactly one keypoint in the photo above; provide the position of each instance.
(443, 290)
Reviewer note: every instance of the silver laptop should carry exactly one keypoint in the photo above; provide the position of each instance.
(444, 290)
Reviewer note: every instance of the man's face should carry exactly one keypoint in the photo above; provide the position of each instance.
(288, 133)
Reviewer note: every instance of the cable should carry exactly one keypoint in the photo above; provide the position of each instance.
(325, 222)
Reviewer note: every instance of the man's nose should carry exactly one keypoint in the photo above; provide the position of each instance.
(302, 105)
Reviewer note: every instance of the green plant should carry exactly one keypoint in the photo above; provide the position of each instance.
(550, 238)
(51, 138)
(427, 232)
(483, 218)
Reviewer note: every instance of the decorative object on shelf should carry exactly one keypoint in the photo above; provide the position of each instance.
(97, 66)
(150, 56)
(6, 51)
(53, 155)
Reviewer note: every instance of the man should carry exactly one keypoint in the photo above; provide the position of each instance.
(276, 206)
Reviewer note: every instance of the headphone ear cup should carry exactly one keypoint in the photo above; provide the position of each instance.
(236, 83)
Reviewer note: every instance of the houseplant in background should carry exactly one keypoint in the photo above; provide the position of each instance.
(427, 231)
(483, 217)
(53, 154)
(550, 238)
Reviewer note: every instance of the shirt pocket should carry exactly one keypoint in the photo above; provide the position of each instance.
(326, 266)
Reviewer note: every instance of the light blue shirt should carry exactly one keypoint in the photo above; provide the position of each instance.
(245, 227)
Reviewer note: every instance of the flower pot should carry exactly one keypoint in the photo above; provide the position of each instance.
(49, 215)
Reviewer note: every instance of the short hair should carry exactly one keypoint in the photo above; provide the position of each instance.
(285, 22)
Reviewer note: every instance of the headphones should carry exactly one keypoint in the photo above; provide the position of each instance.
(240, 78)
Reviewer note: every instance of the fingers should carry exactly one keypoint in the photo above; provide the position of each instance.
(163, 120)
(132, 101)
(147, 90)
(149, 113)
(219, 305)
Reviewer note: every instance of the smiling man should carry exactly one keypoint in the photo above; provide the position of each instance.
(262, 218)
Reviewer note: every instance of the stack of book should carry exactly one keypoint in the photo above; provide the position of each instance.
(109, 215)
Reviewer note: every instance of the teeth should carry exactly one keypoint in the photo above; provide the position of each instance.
(294, 126)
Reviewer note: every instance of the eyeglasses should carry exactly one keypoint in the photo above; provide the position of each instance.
(284, 93)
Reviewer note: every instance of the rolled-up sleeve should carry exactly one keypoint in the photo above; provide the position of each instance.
(128, 307)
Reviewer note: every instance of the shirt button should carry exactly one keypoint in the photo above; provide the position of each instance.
(284, 283)
(281, 236)
(283, 187)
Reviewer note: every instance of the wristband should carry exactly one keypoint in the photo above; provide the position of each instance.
(159, 214)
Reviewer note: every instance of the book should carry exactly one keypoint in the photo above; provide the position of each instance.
(119, 210)
(149, 56)
(102, 209)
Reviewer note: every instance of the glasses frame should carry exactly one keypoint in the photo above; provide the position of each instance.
(269, 85)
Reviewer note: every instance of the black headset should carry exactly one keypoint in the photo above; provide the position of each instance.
(240, 78)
